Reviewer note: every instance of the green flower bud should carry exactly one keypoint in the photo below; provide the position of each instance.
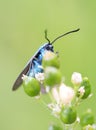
(31, 86)
(54, 127)
(52, 76)
(68, 115)
(50, 59)
(86, 87)
(87, 119)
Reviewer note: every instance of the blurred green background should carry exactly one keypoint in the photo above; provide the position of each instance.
(22, 25)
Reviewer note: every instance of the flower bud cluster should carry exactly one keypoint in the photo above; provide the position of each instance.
(64, 98)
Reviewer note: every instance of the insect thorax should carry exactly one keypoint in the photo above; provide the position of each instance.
(36, 64)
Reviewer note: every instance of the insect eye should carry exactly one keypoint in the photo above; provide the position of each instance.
(49, 47)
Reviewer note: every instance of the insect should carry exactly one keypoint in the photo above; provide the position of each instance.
(34, 65)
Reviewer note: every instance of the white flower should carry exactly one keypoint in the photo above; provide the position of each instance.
(90, 95)
(26, 78)
(51, 105)
(81, 90)
(94, 126)
(78, 119)
(66, 94)
(40, 77)
(55, 94)
(89, 127)
(37, 97)
(47, 89)
(49, 55)
(76, 78)
(63, 95)
(55, 109)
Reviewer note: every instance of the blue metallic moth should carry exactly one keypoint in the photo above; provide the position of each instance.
(34, 65)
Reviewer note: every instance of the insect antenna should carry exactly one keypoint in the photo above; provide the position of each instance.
(64, 35)
(46, 36)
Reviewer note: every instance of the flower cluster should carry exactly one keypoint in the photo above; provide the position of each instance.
(64, 99)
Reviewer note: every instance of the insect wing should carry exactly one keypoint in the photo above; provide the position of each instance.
(19, 80)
